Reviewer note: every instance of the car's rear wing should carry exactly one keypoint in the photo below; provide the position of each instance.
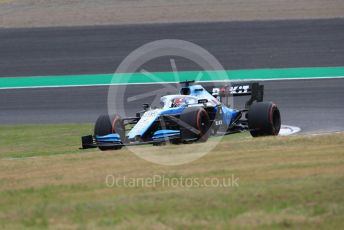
(255, 90)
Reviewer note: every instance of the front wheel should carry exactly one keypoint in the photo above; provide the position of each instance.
(195, 124)
(107, 125)
(264, 119)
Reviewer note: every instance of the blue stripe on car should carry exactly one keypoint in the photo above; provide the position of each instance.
(165, 133)
(114, 137)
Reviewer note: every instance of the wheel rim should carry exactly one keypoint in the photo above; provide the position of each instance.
(202, 122)
(276, 120)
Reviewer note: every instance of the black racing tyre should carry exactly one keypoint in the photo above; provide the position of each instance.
(195, 124)
(264, 119)
(107, 125)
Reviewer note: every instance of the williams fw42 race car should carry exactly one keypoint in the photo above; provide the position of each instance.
(192, 115)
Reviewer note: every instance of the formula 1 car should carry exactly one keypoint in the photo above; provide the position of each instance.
(190, 116)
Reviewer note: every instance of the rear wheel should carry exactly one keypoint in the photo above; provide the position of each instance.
(195, 124)
(107, 125)
(264, 119)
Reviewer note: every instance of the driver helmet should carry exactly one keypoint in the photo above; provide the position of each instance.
(179, 101)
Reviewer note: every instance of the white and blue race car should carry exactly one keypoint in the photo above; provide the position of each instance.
(190, 116)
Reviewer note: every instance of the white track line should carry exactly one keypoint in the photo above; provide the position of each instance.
(287, 130)
(156, 83)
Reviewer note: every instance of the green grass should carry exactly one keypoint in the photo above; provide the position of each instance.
(40, 140)
(284, 183)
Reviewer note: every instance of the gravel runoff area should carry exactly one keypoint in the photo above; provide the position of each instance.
(41, 13)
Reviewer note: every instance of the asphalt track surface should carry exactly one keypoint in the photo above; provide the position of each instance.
(313, 105)
(237, 45)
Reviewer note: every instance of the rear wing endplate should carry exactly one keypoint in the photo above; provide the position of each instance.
(255, 90)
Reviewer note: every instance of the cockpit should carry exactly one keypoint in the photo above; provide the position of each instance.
(174, 101)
